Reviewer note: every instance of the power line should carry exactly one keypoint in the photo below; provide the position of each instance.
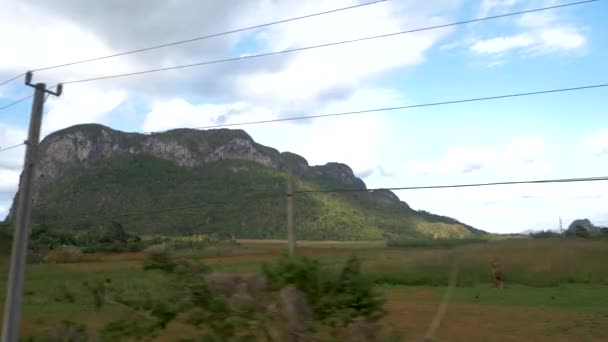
(25, 98)
(11, 147)
(325, 45)
(16, 102)
(385, 109)
(11, 80)
(210, 36)
(543, 181)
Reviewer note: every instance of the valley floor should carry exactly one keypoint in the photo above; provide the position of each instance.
(544, 299)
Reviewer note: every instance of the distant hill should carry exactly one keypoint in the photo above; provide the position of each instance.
(591, 228)
(188, 181)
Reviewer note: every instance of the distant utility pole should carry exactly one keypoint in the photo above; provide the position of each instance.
(12, 306)
(291, 232)
(561, 227)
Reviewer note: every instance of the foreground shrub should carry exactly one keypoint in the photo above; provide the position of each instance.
(63, 254)
(159, 257)
(293, 297)
(337, 300)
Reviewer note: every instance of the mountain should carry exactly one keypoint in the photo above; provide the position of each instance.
(591, 228)
(187, 181)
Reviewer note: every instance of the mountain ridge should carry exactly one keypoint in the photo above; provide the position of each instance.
(181, 161)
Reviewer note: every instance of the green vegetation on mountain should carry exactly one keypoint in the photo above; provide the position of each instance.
(187, 182)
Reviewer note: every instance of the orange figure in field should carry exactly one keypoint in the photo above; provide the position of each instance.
(496, 274)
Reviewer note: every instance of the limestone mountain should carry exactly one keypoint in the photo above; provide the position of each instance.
(585, 223)
(187, 181)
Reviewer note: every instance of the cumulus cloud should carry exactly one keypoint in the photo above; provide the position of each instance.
(289, 84)
(531, 34)
(502, 44)
(543, 41)
(523, 156)
(81, 104)
(597, 143)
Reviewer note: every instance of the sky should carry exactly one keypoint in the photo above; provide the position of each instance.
(560, 135)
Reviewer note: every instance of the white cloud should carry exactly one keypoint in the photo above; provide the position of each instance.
(537, 19)
(502, 44)
(543, 41)
(81, 104)
(488, 7)
(9, 180)
(11, 162)
(30, 31)
(11, 136)
(531, 34)
(179, 113)
(319, 75)
(597, 143)
(562, 39)
(521, 157)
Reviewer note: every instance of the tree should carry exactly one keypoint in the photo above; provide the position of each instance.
(580, 231)
(111, 237)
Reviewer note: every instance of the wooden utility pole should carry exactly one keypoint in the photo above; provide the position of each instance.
(291, 232)
(14, 297)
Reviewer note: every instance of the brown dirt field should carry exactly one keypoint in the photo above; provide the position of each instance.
(98, 265)
(115, 256)
(471, 322)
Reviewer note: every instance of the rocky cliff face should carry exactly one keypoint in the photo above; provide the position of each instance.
(83, 145)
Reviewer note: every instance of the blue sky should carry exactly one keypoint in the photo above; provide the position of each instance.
(547, 136)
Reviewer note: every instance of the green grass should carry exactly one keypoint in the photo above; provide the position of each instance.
(584, 297)
(575, 297)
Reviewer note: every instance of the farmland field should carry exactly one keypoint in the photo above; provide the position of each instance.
(555, 290)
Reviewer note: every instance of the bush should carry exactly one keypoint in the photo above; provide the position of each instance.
(159, 257)
(110, 238)
(43, 238)
(63, 254)
(336, 300)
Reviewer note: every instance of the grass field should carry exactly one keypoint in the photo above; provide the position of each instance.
(556, 290)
